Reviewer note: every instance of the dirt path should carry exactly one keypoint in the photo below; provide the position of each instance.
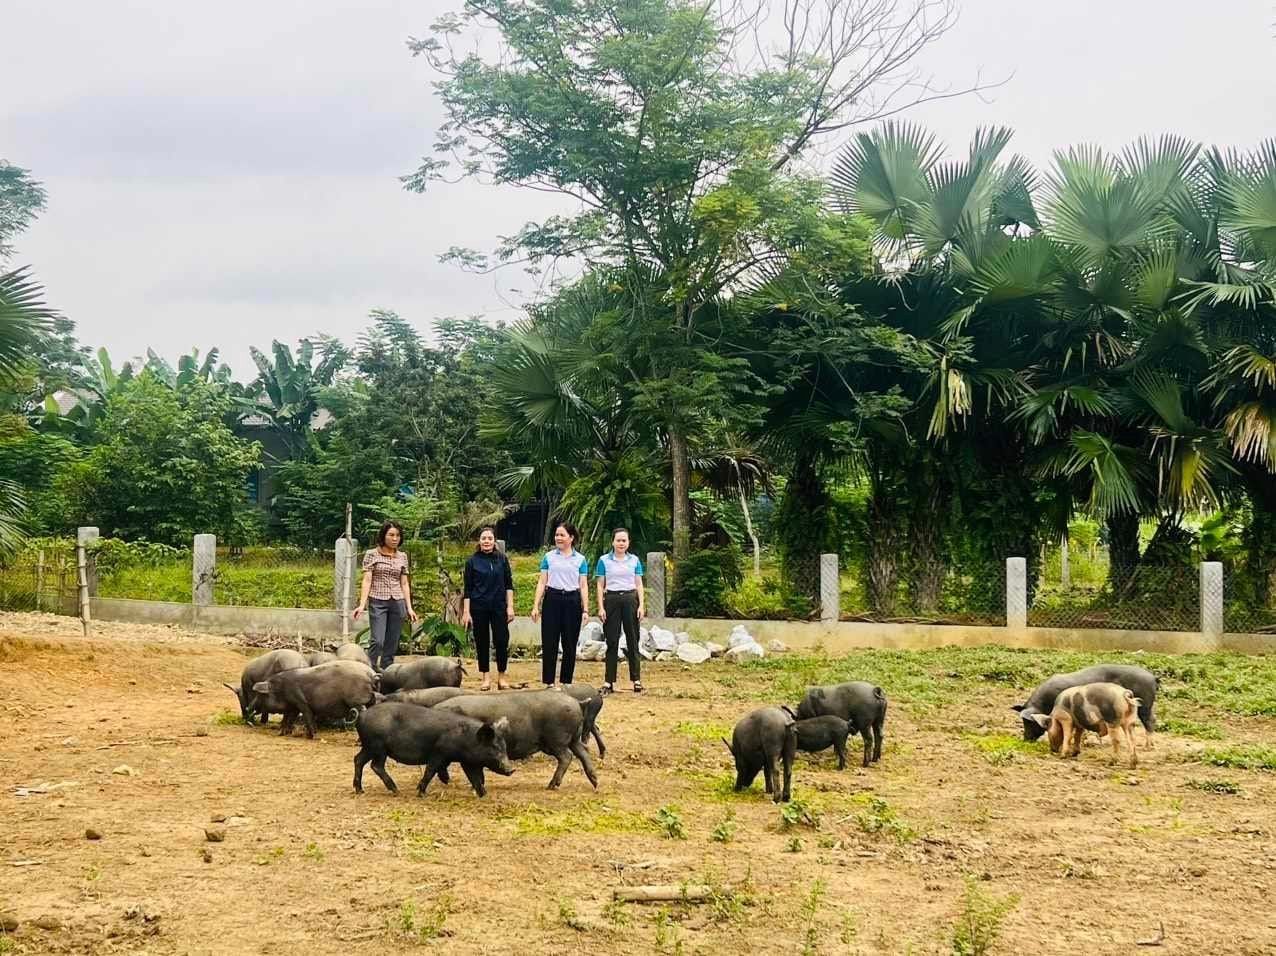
(126, 735)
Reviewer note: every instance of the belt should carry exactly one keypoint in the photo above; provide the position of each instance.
(630, 591)
(574, 591)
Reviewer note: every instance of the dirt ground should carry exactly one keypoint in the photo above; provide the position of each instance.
(129, 735)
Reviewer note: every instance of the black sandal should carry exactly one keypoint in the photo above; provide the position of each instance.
(605, 690)
(637, 687)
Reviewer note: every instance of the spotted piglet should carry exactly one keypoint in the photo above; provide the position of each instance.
(1102, 708)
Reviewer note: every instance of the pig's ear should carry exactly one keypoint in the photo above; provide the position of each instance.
(1017, 707)
(1137, 701)
(261, 687)
(1042, 720)
(503, 725)
(236, 691)
(486, 734)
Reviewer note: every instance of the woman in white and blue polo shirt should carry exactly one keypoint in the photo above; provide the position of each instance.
(620, 602)
(561, 603)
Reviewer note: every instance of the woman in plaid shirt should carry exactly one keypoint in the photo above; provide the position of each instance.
(385, 583)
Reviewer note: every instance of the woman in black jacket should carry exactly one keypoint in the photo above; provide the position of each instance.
(489, 605)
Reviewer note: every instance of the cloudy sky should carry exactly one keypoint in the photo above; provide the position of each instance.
(225, 174)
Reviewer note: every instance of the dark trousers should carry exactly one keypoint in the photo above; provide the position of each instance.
(560, 627)
(491, 625)
(386, 617)
(622, 609)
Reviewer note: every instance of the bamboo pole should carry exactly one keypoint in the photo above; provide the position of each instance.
(688, 893)
(39, 580)
(82, 576)
(347, 575)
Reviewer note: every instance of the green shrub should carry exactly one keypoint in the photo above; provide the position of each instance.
(703, 581)
(767, 599)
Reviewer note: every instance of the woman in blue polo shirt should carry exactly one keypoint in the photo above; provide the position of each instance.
(561, 603)
(620, 603)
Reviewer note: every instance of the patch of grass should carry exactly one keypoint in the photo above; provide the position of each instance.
(1241, 757)
(670, 822)
(810, 914)
(797, 813)
(1215, 786)
(879, 817)
(227, 718)
(273, 855)
(617, 914)
(668, 934)
(727, 904)
(592, 816)
(724, 829)
(568, 916)
(979, 923)
(721, 786)
(703, 730)
(424, 926)
(794, 845)
(312, 852)
(1189, 728)
(1001, 749)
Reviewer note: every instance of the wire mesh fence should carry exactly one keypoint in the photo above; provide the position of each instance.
(39, 577)
(1142, 598)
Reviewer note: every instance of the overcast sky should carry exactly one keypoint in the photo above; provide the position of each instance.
(225, 174)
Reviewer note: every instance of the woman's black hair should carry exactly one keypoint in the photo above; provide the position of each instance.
(477, 547)
(619, 530)
(570, 529)
(386, 527)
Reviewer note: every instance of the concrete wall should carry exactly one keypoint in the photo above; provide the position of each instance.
(223, 619)
(832, 637)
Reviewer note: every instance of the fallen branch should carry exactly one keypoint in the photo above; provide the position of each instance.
(25, 862)
(689, 893)
(1157, 940)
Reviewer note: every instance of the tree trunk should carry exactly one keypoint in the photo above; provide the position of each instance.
(748, 527)
(1123, 549)
(884, 536)
(926, 523)
(681, 468)
(1255, 580)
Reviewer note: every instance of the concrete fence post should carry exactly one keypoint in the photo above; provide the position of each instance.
(343, 574)
(84, 538)
(500, 545)
(1016, 592)
(205, 569)
(654, 585)
(830, 588)
(1212, 601)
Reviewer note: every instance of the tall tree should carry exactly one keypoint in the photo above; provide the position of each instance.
(672, 128)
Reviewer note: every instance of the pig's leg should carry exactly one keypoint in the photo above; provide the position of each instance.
(299, 701)
(867, 735)
(290, 718)
(768, 773)
(564, 758)
(431, 771)
(1074, 745)
(443, 775)
(839, 747)
(360, 761)
(378, 767)
(598, 739)
(586, 762)
(879, 732)
(474, 772)
(786, 757)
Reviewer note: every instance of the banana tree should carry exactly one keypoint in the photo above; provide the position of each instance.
(286, 391)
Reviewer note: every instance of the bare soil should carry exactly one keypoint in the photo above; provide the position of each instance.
(130, 735)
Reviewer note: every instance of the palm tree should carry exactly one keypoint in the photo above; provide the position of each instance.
(23, 315)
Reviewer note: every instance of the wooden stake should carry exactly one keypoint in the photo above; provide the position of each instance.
(39, 580)
(347, 578)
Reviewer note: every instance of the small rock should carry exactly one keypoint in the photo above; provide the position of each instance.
(715, 650)
(663, 639)
(132, 683)
(144, 852)
(692, 653)
(218, 818)
(71, 742)
(1131, 781)
(207, 855)
(682, 637)
(665, 656)
(201, 731)
(91, 833)
(48, 922)
(124, 770)
(1197, 871)
(745, 652)
(8, 923)
(194, 690)
(215, 834)
(777, 646)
